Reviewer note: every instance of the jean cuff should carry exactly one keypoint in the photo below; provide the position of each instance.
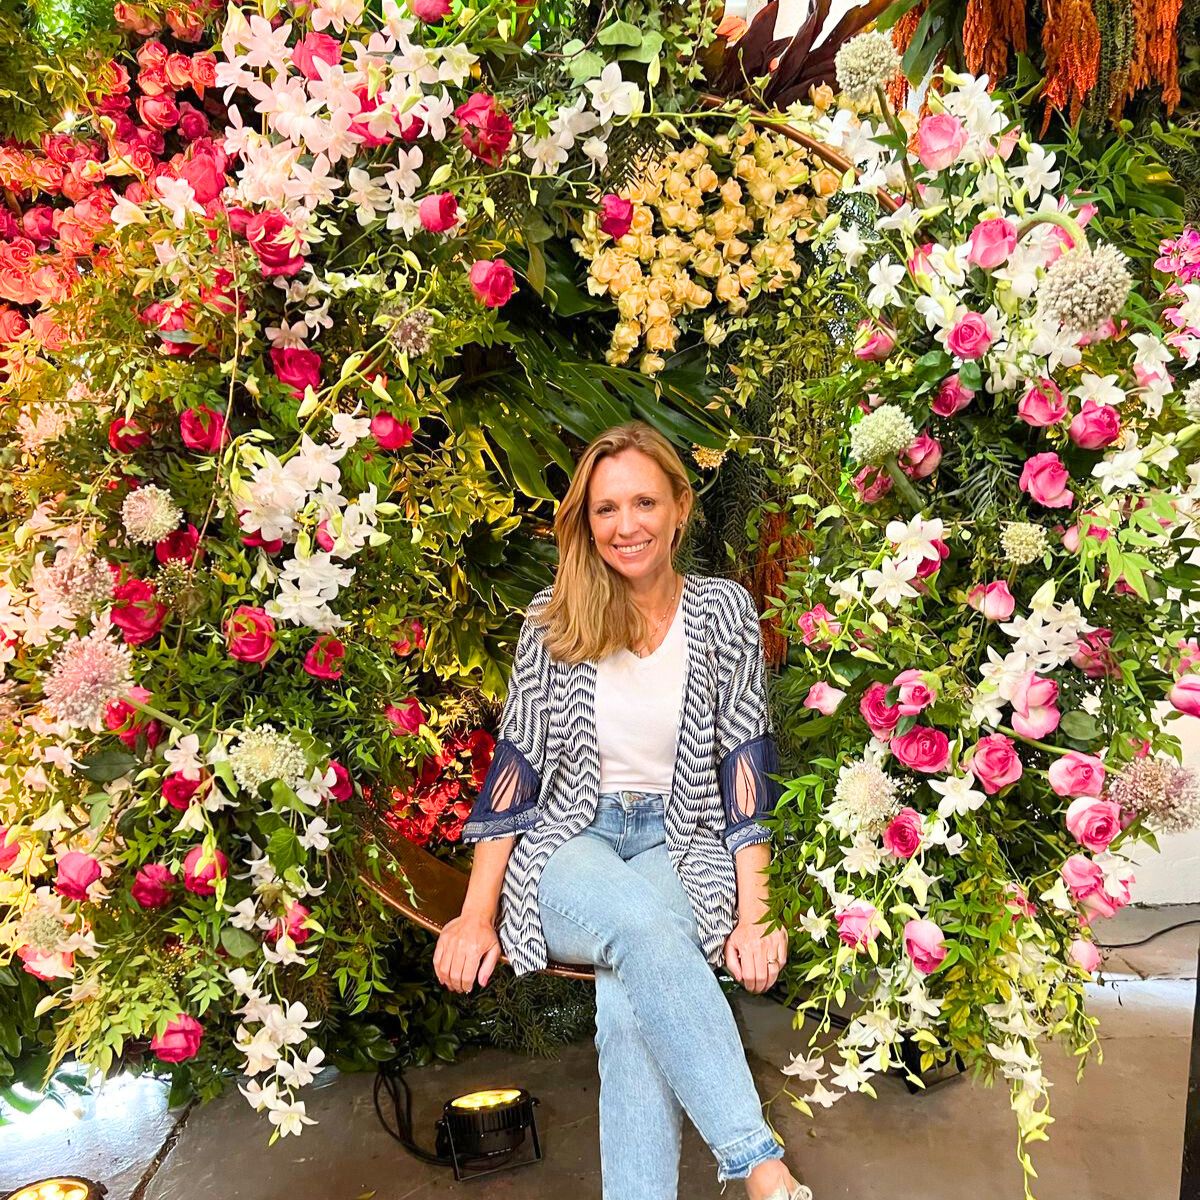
(739, 1159)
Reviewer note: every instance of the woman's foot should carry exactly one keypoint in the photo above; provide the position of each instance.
(771, 1180)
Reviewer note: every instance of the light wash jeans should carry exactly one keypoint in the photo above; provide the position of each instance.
(666, 1036)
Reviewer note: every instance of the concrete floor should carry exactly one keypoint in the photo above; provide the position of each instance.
(1118, 1134)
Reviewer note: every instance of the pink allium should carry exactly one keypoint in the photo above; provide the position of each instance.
(84, 675)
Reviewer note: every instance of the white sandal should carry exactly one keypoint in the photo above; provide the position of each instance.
(801, 1192)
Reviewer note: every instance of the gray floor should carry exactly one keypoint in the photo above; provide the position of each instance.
(1117, 1135)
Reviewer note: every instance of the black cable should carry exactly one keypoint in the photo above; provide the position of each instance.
(390, 1078)
(1150, 937)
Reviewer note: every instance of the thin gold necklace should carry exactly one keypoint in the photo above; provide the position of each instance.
(654, 631)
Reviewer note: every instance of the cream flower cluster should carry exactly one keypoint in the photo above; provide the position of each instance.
(718, 223)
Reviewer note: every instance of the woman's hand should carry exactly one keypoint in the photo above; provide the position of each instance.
(467, 948)
(747, 950)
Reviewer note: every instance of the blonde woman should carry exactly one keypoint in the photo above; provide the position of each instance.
(618, 824)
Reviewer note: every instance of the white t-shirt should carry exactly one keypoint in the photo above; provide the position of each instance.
(638, 703)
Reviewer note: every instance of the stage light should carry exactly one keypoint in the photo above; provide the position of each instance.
(487, 1124)
(61, 1187)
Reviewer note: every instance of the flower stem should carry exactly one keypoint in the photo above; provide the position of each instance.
(1032, 741)
(898, 129)
(903, 484)
(157, 713)
(1078, 237)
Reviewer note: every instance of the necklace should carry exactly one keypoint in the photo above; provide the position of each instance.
(658, 626)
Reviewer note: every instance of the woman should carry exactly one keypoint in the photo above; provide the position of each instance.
(617, 824)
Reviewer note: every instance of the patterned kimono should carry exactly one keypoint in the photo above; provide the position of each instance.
(545, 775)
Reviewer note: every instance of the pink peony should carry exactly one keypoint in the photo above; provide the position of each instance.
(921, 458)
(492, 281)
(940, 140)
(179, 1041)
(880, 716)
(925, 945)
(915, 694)
(406, 718)
(995, 763)
(250, 634)
(993, 600)
(1034, 706)
(200, 873)
(902, 837)
(1093, 823)
(824, 699)
(324, 657)
(1045, 478)
(616, 215)
(1084, 954)
(76, 873)
(1095, 426)
(1185, 695)
(439, 213)
(970, 338)
(390, 433)
(1076, 774)
(991, 242)
(152, 886)
(1043, 404)
(922, 749)
(952, 396)
(858, 924)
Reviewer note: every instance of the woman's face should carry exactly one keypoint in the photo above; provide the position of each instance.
(633, 514)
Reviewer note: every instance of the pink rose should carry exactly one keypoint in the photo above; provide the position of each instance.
(406, 645)
(429, 11)
(875, 342)
(817, 627)
(492, 281)
(940, 140)
(993, 600)
(314, 48)
(1071, 538)
(933, 562)
(878, 714)
(250, 634)
(857, 924)
(486, 129)
(1034, 706)
(203, 428)
(179, 546)
(152, 886)
(871, 484)
(921, 458)
(275, 243)
(1084, 954)
(138, 615)
(1093, 656)
(970, 337)
(179, 1041)
(343, 786)
(200, 873)
(925, 945)
(902, 837)
(406, 718)
(295, 926)
(193, 124)
(824, 699)
(390, 433)
(439, 213)
(951, 397)
(920, 263)
(1095, 426)
(922, 749)
(125, 435)
(324, 657)
(616, 215)
(297, 368)
(1093, 823)
(1189, 655)
(995, 763)
(1185, 695)
(10, 848)
(991, 242)
(123, 719)
(1045, 478)
(1086, 884)
(1076, 774)
(76, 873)
(915, 694)
(1017, 902)
(1043, 404)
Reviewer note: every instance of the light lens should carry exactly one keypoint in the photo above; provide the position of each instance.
(486, 1099)
(56, 1189)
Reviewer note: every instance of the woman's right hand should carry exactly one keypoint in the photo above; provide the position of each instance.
(468, 948)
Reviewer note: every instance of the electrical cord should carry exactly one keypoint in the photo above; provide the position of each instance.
(1150, 937)
(390, 1079)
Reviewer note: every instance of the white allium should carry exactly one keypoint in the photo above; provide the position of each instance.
(864, 798)
(864, 63)
(149, 514)
(881, 433)
(1084, 287)
(1023, 543)
(81, 579)
(1191, 401)
(262, 755)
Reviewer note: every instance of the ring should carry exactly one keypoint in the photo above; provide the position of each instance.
(772, 960)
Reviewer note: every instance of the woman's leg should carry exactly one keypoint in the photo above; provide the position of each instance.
(598, 908)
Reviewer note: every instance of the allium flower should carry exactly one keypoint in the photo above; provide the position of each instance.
(1084, 288)
(410, 334)
(1162, 791)
(149, 514)
(262, 754)
(706, 459)
(1023, 543)
(863, 799)
(48, 424)
(81, 579)
(84, 675)
(865, 63)
(881, 433)
(1191, 401)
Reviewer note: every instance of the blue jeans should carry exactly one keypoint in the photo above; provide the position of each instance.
(666, 1036)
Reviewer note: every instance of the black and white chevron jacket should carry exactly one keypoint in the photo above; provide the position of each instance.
(545, 775)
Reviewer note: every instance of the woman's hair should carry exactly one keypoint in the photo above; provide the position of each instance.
(591, 612)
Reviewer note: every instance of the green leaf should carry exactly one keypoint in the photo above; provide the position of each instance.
(535, 272)
(1079, 726)
(238, 943)
(107, 765)
(620, 33)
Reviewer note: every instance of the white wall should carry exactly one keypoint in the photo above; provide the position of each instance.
(1173, 877)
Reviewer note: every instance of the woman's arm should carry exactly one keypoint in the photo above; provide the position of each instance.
(487, 878)
(751, 863)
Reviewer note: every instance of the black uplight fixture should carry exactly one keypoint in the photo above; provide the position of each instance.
(60, 1187)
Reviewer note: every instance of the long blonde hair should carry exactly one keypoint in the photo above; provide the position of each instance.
(591, 612)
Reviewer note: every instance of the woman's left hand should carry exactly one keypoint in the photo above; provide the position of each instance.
(747, 951)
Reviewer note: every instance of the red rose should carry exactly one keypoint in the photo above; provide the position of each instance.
(206, 177)
(151, 886)
(203, 428)
(314, 48)
(125, 435)
(390, 433)
(439, 212)
(616, 215)
(273, 239)
(138, 615)
(10, 849)
(179, 1041)
(324, 657)
(486, 129)
(204, 71)
(297, 930)
(343, 787)
(12, 324)
(152, 55)
(180, 545)
(407, 717)
(200, 873)
(178, 791)
(193, 124)
(405, 645)
(922, 749)
(491, 281)
(296, 367)
(250, 634)
(127, 722)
